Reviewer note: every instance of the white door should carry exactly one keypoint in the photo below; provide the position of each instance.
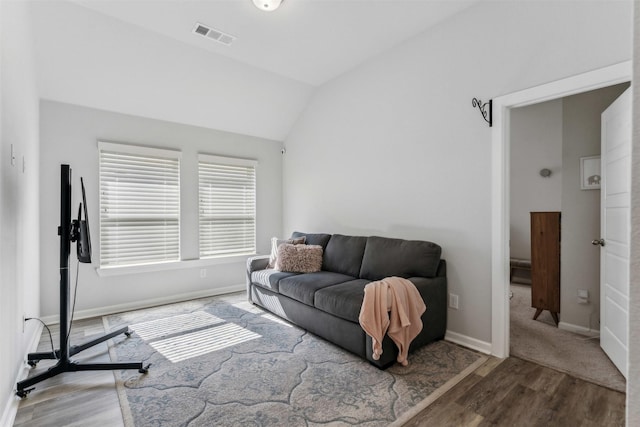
(615, 228)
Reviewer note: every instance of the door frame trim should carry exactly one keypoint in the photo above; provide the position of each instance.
(500, 180)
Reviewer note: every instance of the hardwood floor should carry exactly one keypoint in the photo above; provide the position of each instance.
(520, 393)
(75, 398)
(512, 392)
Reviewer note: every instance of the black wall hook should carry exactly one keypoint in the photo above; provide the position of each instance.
(487, 113)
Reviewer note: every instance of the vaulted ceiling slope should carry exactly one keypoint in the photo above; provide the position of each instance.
(141, 57)
(310, 41)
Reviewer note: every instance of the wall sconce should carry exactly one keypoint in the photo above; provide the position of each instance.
(545, 173)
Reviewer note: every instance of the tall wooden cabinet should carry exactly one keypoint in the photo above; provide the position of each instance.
(545, 263)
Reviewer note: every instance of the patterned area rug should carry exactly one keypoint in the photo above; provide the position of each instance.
(222, 361)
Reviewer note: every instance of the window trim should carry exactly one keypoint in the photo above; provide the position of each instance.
(140, 150)
(170, 265)
(233, 161)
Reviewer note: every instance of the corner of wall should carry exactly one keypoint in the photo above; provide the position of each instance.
(19, 213)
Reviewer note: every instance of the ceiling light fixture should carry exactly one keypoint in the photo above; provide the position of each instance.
(267, 5)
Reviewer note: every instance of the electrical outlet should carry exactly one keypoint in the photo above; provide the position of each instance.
(453, 301)
(203, 273)
(583, 296)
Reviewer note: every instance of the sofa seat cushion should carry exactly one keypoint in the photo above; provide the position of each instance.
(303, 287)
(269, 278)
(343, 300)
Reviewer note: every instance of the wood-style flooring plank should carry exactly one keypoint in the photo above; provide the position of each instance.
(521, 393)
(522, 407)
(447, 410)
(545, 381)
(488, 366)
(576, 399)
(73, 398)
(485, 397)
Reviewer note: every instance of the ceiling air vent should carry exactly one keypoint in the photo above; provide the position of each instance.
(213, 34)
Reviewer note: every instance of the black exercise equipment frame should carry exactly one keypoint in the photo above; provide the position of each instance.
(68, 233)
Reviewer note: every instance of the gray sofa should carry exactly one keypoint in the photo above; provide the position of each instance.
(327, 303)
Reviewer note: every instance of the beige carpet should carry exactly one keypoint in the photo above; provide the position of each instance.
(542, 342)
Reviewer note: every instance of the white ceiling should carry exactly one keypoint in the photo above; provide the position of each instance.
(310, 41)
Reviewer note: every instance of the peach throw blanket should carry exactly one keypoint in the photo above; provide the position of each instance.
(392, 305)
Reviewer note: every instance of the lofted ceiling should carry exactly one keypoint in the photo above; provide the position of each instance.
(310, 41)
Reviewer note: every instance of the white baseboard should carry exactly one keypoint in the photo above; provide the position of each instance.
(12, 403)
(591, 333)
(465, 341)
(137, 305)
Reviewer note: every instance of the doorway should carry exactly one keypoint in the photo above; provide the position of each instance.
(548, 143)
(608, 76)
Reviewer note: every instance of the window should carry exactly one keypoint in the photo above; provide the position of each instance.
(139, 205)
(227, 194)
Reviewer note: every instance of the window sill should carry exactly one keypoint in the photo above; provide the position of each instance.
(165, 266)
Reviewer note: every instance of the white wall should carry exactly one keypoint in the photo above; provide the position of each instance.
(69, 134)
(19, 206)
(536, 143)
(89, 59)
(394, 147)
(580, 260)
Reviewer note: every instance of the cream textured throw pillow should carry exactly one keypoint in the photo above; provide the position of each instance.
(299, 258)
(275, 242)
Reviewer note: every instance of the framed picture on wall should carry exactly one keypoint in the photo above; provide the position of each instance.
(590, 173)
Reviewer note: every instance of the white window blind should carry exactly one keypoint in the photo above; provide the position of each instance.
(139, 205)
(227, 194)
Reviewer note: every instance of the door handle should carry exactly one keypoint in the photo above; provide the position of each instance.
(597, 242)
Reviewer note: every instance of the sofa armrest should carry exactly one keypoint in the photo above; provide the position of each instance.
(434, 293)
(255, 263)
(442, 269)
(258, 262)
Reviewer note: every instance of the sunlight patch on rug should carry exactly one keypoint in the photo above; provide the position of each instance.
(194, 344)
(174, 324)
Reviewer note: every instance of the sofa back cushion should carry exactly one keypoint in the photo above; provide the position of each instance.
(384, 257)
(313, 239)
(344, 254)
